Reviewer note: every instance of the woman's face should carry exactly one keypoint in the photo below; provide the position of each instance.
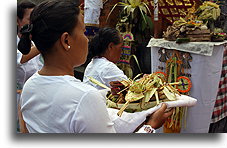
(115, 51)
(79, 43)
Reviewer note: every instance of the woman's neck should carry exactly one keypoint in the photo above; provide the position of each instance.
(57, 65)
(55, 70)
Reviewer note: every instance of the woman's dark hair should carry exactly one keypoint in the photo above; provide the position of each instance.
(99, 43)
(48, 21)
(22, 6)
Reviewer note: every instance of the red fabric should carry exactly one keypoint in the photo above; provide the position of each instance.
(220, 107)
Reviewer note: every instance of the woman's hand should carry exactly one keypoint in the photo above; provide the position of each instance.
(157, 119)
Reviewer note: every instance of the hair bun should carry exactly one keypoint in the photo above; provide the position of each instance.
(26, 29)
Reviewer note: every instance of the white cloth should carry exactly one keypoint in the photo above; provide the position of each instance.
(26, 70)
(205, 76)
(63, 104)
(92, 11)
(91, 16)
(95, 4)
(129, 121)
(202, 48)
(103, 71)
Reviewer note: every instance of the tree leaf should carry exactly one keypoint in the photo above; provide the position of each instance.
(149, 22)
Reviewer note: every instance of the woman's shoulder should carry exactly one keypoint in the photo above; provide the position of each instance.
(83, 91)
(81, 86)
(66, 81)
(99, 65)
(106, 63)
(69, 85)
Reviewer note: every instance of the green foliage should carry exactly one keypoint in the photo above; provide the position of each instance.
(130, 12)
(146, 23)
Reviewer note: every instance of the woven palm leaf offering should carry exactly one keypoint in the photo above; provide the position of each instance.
(140, 94)
(146, 92)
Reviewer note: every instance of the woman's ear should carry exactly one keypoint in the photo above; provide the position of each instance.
(65, 41)
(110, 46)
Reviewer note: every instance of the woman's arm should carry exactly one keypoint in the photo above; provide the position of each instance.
(132, 122)
(91, 115)
(34, 52)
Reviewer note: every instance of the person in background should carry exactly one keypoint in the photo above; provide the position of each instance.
(29, 61)
(105, 50)
(92, 10)
(53, 100)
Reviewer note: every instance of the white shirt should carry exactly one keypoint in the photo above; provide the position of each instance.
(94, 4)
(63, 104)
(26, 70)
(103, 71)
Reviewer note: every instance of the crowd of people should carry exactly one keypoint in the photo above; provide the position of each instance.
(50, 99)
